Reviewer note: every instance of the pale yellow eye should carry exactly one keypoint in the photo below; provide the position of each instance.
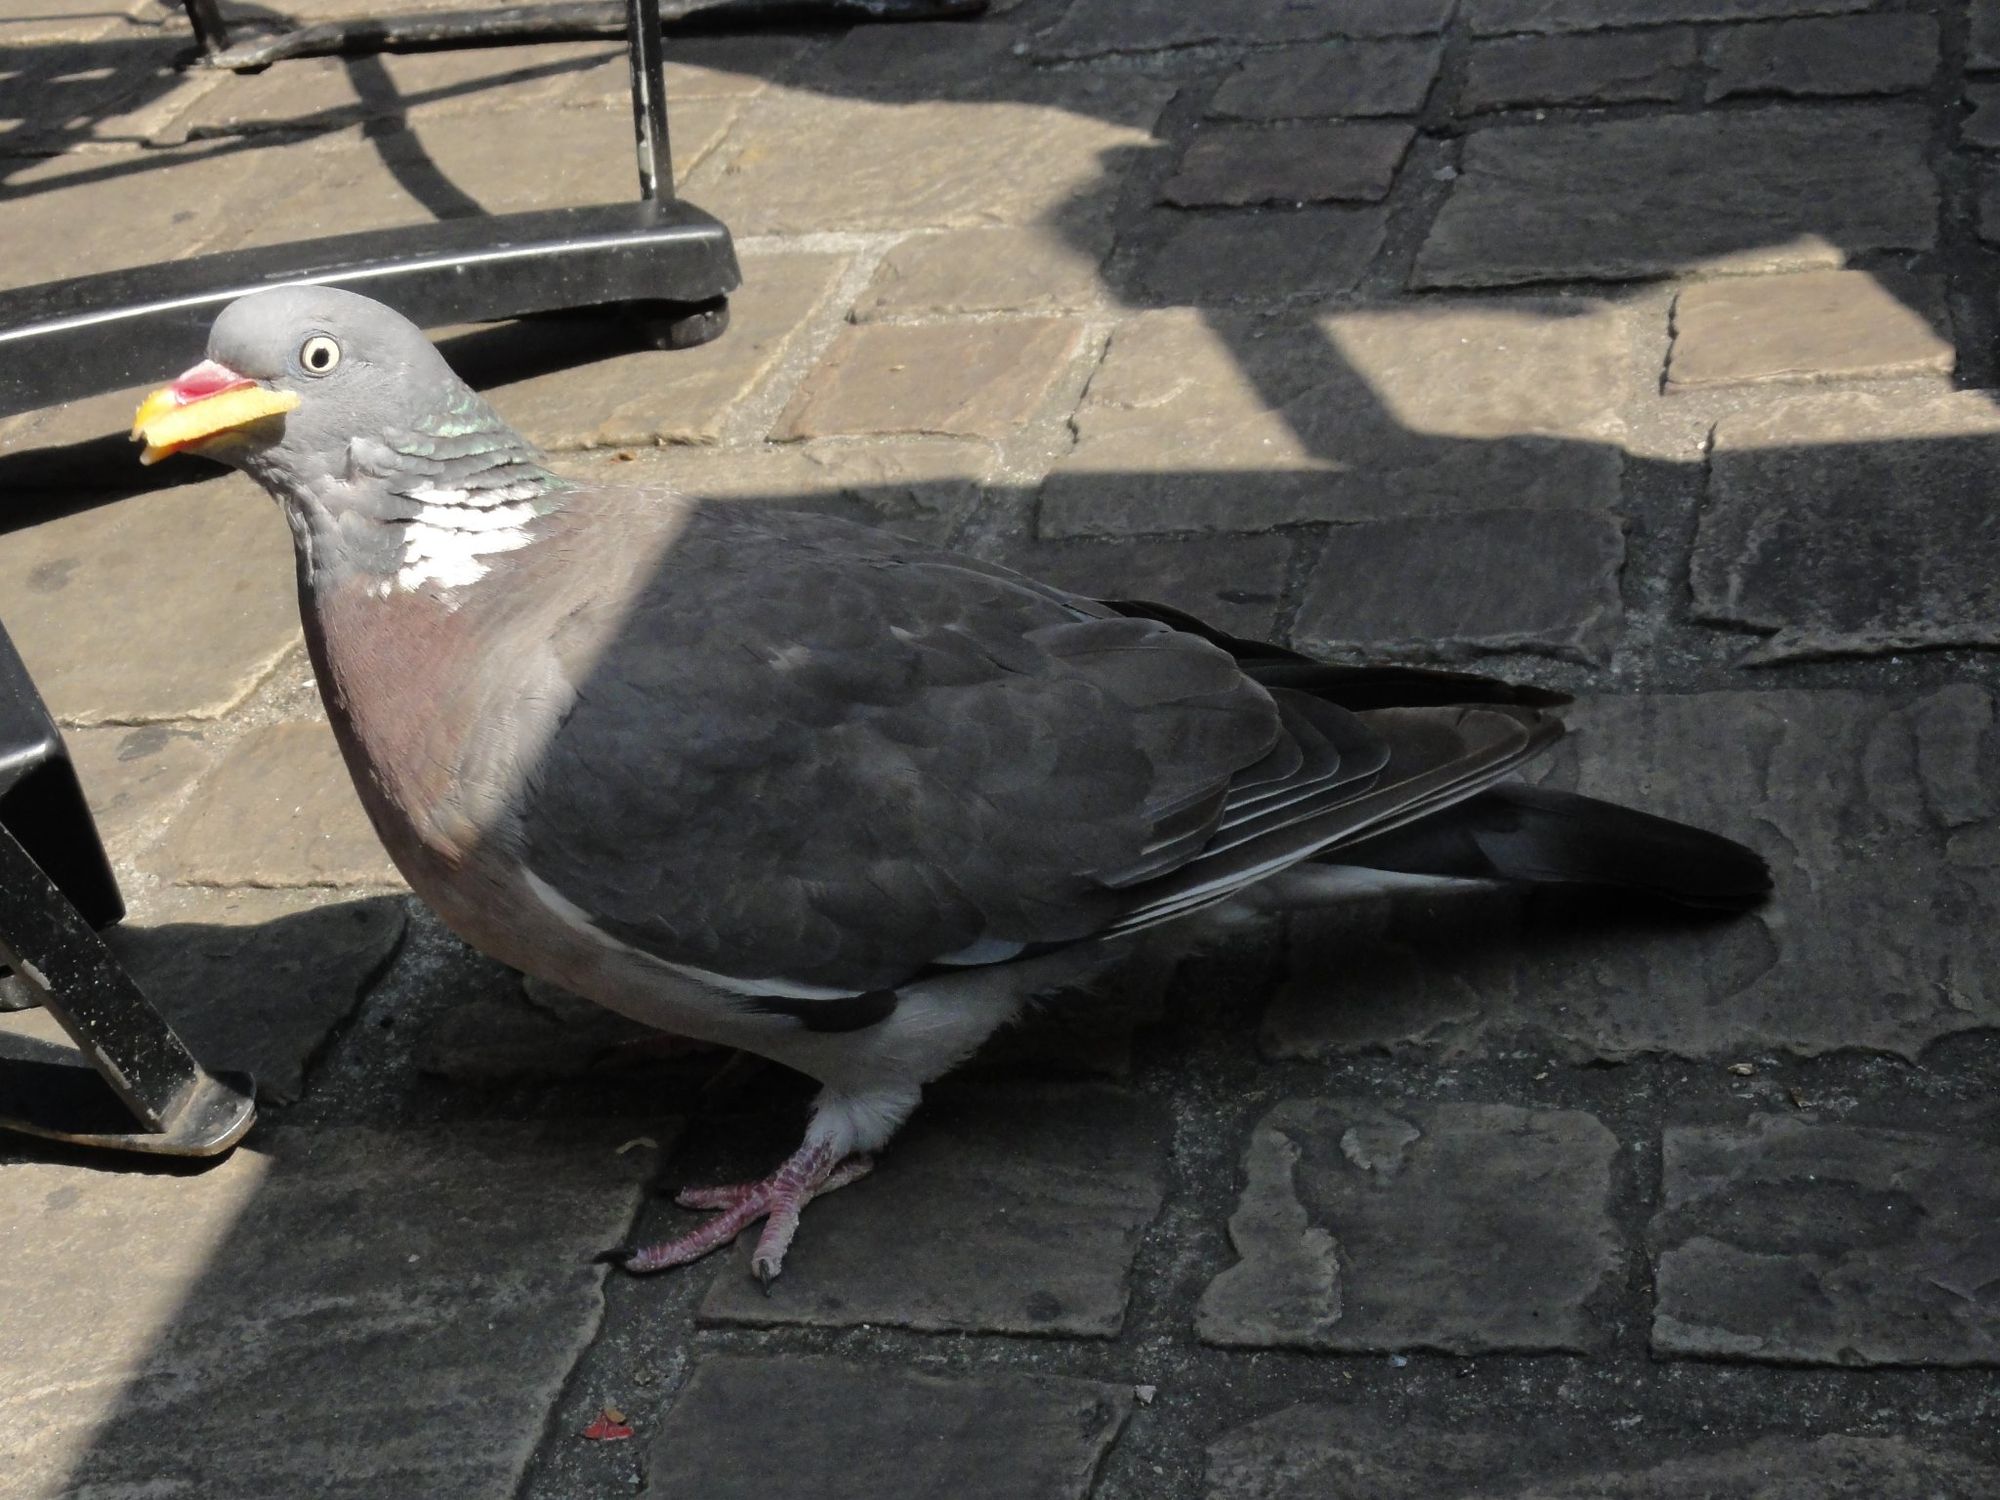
(318, 355)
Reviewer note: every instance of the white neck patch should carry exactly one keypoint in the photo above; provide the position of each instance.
(455, 529)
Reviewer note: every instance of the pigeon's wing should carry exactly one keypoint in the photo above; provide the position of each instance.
(814, 761)
(812, 758)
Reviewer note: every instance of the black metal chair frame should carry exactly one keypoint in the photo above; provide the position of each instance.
(658, 256)
(131, 1083)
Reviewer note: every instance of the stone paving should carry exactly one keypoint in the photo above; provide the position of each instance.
(1641, 348)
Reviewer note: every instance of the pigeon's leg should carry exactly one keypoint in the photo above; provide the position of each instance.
(845, 1129)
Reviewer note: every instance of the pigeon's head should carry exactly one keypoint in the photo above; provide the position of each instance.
(293, 376)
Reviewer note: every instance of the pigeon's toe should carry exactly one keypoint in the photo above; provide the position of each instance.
(720, 1199)
(777, 1200)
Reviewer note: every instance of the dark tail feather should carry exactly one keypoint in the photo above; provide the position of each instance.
(1528, 833)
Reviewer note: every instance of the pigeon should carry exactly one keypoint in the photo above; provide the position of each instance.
(777, 781)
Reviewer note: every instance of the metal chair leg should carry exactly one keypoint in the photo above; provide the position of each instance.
(127, 1054)
(129, 1069)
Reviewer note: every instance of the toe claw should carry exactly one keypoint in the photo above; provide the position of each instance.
(766, 1273)
(617, 1255)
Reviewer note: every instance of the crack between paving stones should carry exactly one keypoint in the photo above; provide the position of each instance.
(364, 991)
(587, 1341)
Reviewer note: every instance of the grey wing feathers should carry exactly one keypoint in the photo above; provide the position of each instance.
(1430, 759)
(821, 758)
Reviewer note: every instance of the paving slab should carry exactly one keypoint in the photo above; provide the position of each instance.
(1331, 81)
(1797, 1240)
(323, 92)
(1983, 45)
(925, 488)
(1986, 209)
(258, 980)
(211, 558)
(551, 158)
(1236, 166)
(1027, 270)
(1905, 777)
(1827, 55)
(318, 93)
(506, 1038)
(1239, 422)
(80, 93)
(594, 396)
(456, 166)
(957, 59)
(106, 210)
(1837, 523)
(1616, 67)
(1981, 128)
(1815, 325)
(1490, 16)
(1234, 582)
(339, 181)
(83, 447)
(314, 11)
(1756, 190)
(134, 779)
(1323, 1448)
(1093, 28)
(402, 1307)
(441, 167)
(800, 163)
(1451, 587)
(279, 810)
(982, 379)
(1464, 1228)
(1009, 1209)
(809, 1428)
(1263, 257)
(34, 23)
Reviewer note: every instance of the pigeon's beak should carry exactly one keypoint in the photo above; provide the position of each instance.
(202, 403)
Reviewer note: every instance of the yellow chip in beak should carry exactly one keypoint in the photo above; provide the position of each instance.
(168, 422)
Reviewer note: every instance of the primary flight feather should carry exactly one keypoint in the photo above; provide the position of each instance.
(802, 787)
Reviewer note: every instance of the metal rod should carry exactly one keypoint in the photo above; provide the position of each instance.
(649, 100)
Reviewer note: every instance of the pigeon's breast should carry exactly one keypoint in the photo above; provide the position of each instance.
(410, 687)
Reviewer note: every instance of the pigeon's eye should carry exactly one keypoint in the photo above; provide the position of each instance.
(318, 354)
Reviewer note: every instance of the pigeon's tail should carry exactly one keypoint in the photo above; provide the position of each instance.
(1541, 837)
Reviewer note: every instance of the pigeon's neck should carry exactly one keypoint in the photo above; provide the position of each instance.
(449, 529)
(427, 508)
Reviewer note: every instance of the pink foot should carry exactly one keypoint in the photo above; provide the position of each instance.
(777, 1199)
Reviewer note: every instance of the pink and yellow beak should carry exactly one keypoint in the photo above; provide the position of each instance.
(204, 402)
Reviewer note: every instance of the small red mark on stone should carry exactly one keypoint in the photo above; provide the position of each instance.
(609, 1427)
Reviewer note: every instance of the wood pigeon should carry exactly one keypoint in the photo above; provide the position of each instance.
(806, 788)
